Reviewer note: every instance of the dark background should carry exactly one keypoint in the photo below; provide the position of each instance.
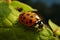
(49, 9)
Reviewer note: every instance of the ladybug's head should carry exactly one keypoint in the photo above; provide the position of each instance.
(38, 24)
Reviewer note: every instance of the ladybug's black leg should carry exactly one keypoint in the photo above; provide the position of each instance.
(36, 28)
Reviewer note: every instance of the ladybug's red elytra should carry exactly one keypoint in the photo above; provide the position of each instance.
(29, 18)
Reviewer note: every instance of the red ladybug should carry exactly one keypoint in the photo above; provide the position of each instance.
(30, 19)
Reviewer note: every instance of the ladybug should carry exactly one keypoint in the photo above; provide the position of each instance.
(30, 18)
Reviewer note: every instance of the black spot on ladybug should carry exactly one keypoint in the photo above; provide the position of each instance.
(24, 18)
(30, 21)
(19, 9)
(28, 14)
(31, 16)
(26, 22)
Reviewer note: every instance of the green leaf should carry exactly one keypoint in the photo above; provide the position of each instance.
(8, 15)
(54, 27)
(16, 31)
(25, 7)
